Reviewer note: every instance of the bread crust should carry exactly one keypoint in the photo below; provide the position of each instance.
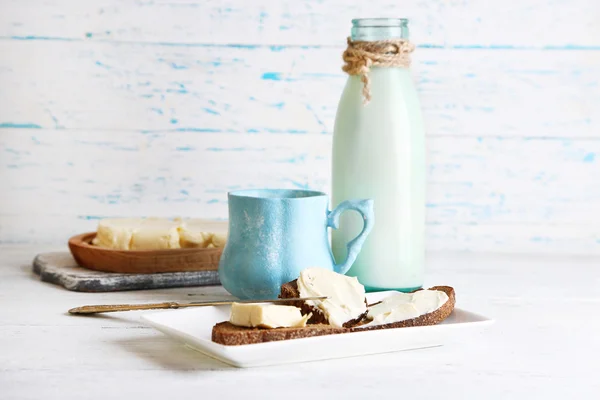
(231, 335)
(228, 334)
(432, 318)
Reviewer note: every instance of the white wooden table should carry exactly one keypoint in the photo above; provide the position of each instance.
(545, 343)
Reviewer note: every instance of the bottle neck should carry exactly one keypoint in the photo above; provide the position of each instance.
(374, 29)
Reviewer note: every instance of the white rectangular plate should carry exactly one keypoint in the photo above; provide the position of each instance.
(193, 326)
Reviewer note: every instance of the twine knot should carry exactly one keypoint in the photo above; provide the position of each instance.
(359, 57)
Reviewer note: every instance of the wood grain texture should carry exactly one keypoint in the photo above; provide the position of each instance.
(481, 191)
(146, 108)
(61, 269)
(545, 309)
(530, 23)
(288, 90)
(141, 261)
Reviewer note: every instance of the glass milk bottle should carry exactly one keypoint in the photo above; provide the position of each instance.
(379, 153)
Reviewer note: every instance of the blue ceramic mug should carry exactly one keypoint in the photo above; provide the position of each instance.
(275, 234)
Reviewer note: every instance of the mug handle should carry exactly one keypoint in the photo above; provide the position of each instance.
(365, 208)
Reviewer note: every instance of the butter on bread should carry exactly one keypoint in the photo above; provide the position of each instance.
(266, 315)
(159, 234)
(231, 335)
(227, 334)
(403, 306)
(431, 318)
(346, 305)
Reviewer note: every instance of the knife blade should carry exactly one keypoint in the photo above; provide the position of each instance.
(105, 308)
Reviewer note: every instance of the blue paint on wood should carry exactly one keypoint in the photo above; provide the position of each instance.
(34, 37)
(292, 131)
(218, 149)
(271, 76)
(276, 76)
(19, 125)
(261, 18)
(89, 35)
(293, 160)
(213, 201)
(100, 64)
(178, 91)
(211, 111)
(589, 158)
(185, 148)
(214, 130)
(174, 120)
(540, 239)
(205, 130)
(298, 184)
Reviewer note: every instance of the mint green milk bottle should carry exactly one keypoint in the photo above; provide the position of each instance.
(379, 153)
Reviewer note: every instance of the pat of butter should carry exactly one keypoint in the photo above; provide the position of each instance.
(219, 239)
(202, 233)
(159, 233)
(137, 234)
(346, 300)
(403, 306)
(254, 315)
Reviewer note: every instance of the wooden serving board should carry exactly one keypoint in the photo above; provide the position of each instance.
(61, 269)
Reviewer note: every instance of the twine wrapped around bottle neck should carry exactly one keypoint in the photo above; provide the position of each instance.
(360, 56)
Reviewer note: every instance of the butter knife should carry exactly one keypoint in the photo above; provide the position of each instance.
(97, 309)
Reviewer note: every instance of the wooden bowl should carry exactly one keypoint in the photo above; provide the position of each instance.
(141, 261)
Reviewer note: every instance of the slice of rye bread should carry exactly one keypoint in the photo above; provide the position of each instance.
(232, 335)
(290, 290)
(432, 318)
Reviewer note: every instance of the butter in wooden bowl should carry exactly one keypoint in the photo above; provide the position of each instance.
(159, 234)
(202, 233)
(151, 245)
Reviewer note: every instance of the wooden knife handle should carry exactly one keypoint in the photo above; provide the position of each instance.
(121, 307)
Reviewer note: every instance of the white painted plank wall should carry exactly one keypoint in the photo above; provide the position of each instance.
(112, 108)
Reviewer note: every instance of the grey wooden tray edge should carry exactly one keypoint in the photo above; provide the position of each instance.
(61, 269)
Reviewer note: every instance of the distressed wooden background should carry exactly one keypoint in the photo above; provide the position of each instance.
(121, 108)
